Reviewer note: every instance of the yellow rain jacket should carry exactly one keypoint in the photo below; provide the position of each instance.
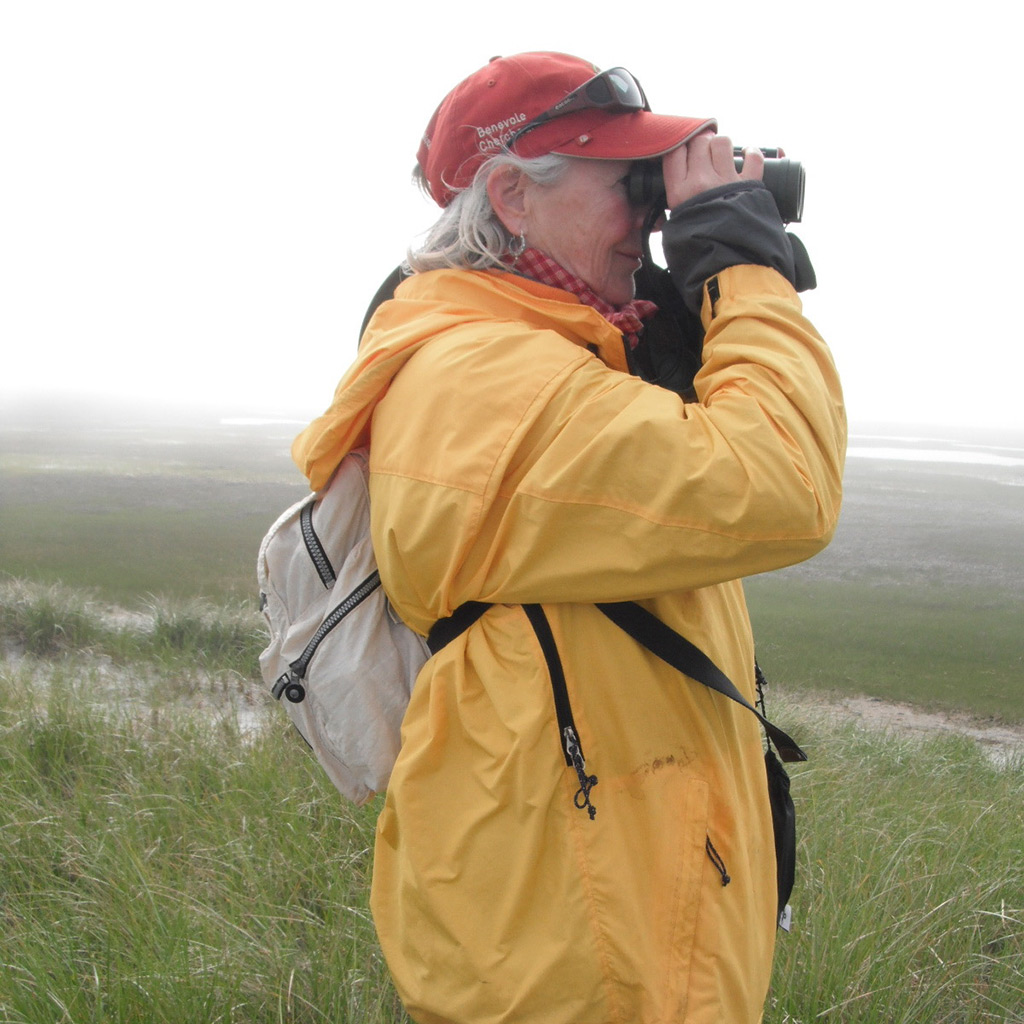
(513, 460)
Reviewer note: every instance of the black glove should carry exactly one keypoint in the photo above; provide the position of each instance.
(727, 226)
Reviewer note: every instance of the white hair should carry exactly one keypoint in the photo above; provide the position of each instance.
(469, 235)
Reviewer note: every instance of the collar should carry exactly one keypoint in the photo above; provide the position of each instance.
(627, 318)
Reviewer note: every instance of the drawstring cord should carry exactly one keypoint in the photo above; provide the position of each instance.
(715, 858)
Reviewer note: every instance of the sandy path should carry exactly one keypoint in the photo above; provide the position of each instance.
(1001, 741)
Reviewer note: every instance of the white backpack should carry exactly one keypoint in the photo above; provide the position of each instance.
(338, 654)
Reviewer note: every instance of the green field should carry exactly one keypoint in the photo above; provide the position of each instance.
(918, 599)
(170, 853)
(142, 506)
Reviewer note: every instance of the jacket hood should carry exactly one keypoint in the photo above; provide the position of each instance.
(425, 306)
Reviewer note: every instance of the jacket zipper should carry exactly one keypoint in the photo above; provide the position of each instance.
(572, 749)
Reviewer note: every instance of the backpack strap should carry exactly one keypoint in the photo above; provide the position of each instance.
(650, 632)
(444, 631)
(660, 639)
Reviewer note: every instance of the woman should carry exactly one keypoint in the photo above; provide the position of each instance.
(514, 460)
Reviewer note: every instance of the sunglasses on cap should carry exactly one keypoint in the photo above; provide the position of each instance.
(613, 90)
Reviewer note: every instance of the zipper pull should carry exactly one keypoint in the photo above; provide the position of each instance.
(587, 782)
(290, 686)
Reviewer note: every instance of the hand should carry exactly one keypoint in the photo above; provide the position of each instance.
(704, 163)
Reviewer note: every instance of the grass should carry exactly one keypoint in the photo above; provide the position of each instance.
(916, 599)
(186, 634)
(947, 649)
(169, 852)
(125, 536)
(130, 503)
(163, 860)
(910, 906)
(173, 871)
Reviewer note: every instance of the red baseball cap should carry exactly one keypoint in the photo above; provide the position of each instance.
(514, 103)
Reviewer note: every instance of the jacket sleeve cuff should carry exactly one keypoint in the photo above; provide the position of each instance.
(728, 226)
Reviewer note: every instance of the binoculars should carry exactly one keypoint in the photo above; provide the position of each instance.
(782, 177)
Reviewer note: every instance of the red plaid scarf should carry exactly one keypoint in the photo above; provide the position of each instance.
(628, 318)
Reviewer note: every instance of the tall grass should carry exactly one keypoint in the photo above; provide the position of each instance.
(162, 861)
(910, 901)
(47, 621)
(169, 869)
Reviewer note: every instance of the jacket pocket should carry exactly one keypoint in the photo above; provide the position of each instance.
(644, 870)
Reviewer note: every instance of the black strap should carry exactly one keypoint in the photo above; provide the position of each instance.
(444, 631)
(647, 629)
(559, 688)
(384, 292)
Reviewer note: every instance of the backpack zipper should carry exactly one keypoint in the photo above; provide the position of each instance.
(314, 547)
(290, 683)
(572, 749)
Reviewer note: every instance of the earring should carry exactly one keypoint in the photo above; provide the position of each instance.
(517, 246)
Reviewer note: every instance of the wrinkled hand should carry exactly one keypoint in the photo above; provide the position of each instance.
(704, 163)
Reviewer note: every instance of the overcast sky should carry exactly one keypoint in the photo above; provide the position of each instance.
(199, 198)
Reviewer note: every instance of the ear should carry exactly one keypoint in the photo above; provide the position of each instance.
(506, 191)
